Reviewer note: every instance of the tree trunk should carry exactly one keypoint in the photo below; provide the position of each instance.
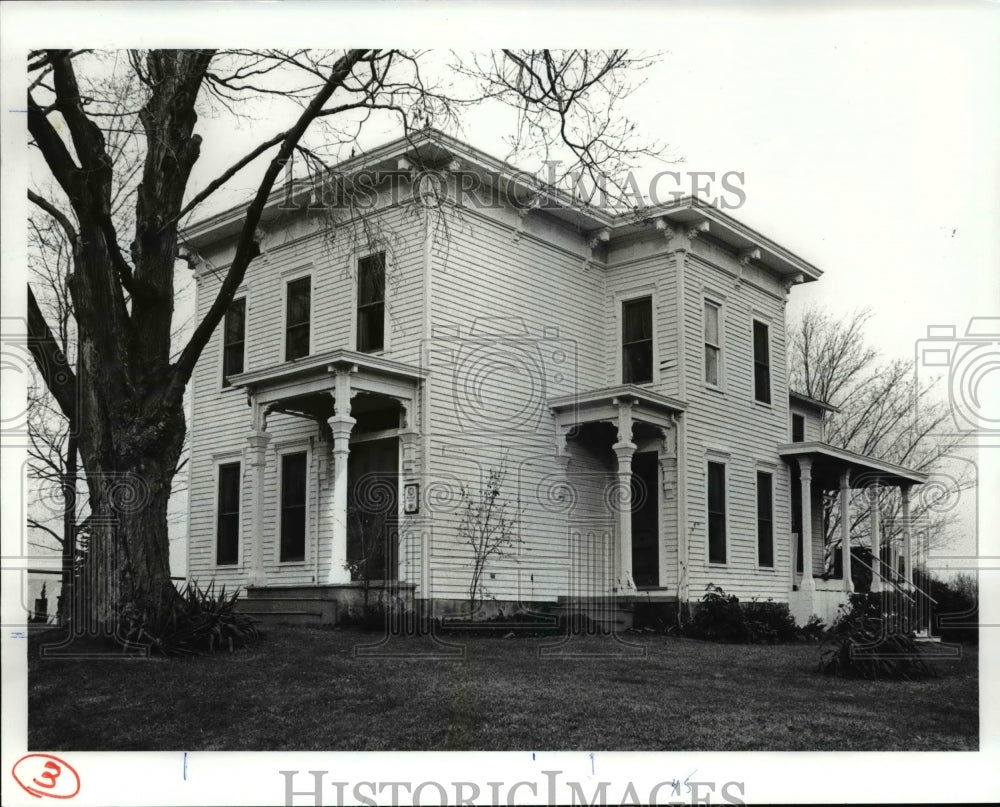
(69, 526)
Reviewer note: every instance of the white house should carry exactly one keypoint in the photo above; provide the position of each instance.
(627, 373)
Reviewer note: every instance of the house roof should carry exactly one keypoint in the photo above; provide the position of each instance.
(431, 147)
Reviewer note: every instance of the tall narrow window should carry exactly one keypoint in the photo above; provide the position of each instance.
(227, 525)
(293, 507)
(637, 341)
(371, 303)
(798, 428)
(716, 512)
(298, 307)
(761, 363)
(234, 334)
(796, 503)
(713, 344)
(765, 519)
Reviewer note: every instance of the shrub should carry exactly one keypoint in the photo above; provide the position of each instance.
(870, 639)
(721, 617)
(191, 621)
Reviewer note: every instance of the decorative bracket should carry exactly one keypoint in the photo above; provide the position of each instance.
(744, 256)
(600, 237)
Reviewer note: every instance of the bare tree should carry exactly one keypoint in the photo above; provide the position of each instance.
(885, 412)
(126, 389)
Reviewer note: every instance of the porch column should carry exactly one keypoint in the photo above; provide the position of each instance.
(624, 449)
(876, 540)
(340, 424)
(257, 442)
(805, 479)
(845, 529)
(907, 548)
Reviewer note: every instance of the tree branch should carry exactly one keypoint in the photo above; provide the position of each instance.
(51, 360)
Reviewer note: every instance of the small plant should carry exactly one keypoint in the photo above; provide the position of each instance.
(814, 629)
(188, 622)
(718, 618)
(488, 528)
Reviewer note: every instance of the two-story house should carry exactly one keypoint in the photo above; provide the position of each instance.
(392, 347)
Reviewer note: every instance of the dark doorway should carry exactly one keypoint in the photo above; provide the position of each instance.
(372, 515)
(645, 519)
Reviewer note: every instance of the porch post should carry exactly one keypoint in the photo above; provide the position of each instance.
(257, 442)
(624, 449)
(340, 424)
(845, 529)
(805, 480)
(907, 548)
(876, 541)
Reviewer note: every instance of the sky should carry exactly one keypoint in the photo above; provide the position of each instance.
(867, 134)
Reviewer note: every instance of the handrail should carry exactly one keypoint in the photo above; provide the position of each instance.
(886, 579)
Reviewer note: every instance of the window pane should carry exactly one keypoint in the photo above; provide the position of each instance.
(371, 328)
(228, 515)
(297, 342)
(765, 521)
(712, 323)
(371, 279)
(716, 512)
(637, 320)
(299, 294)
(293, 506)
(637, 363)
(712, 365)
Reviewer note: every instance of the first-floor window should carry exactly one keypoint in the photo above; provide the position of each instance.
(716, 512)
(227, 525)
(293, 507)
(797, 518)
(765, 519)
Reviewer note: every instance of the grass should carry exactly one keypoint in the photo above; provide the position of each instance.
(304, 689)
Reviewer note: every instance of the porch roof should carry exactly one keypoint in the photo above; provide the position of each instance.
(317, 373)
(604, 403)
(829, 462)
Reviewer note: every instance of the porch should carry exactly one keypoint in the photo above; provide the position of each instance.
(818, 467)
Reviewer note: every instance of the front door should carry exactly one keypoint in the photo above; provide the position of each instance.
(372, 515)
(645, 519)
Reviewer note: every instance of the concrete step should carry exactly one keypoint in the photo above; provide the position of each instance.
(321, 610)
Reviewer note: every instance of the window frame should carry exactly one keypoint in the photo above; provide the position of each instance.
(769, 473)
(766, 325)
(719, 305)
(357, 304)
(287, 279)
(618, 300)
(622, 303)
(723, 463)
(218, 465)
(224, 383)
(306, 520)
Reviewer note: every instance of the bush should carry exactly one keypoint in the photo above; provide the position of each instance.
(871, 640)
(721, 617)
(188, 622)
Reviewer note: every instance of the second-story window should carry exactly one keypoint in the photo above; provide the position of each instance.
(713, 345)
(371, 303)
(798, 428)
(234, 335)
(637, 341)
(297, 311)
(761, 363)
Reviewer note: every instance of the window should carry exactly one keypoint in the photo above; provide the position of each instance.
(713, 344)
(765, 520)
(637, 341)
(298, 304)
(716, 512)
(227, 524)
(798, 428)
(371, 303)
(293, 507)
(761, 363)
(234, 339)
(797, 516)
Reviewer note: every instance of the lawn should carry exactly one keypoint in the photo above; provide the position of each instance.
(304, 688)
